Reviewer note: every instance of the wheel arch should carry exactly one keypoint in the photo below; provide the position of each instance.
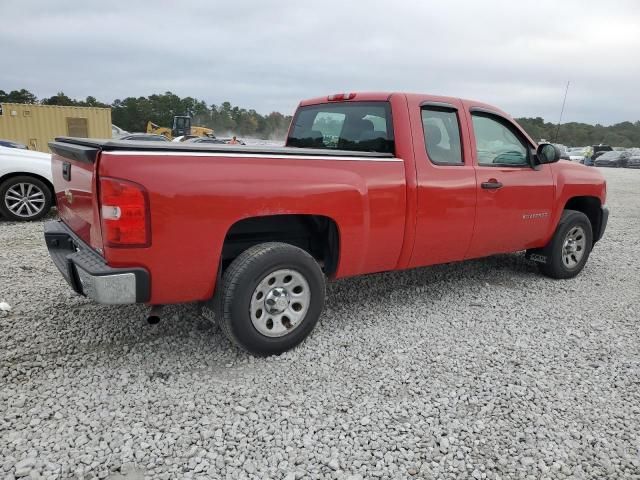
(319, 235)
(592, 207)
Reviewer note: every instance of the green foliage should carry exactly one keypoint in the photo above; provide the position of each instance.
(132, 114)
(17, 96)
(61, 99)
(625, 134)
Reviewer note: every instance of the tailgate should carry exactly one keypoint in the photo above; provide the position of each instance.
(74, 168)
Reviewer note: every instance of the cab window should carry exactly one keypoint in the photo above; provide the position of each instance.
(358, 126)
(497, 144)
(442, 136)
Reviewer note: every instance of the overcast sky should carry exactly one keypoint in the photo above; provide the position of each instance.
(517, 55)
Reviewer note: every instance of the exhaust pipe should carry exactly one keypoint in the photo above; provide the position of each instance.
(153, 318)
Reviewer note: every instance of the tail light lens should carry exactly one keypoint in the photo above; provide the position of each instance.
(124, 209)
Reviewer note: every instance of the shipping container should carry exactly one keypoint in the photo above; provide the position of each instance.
(37, 125)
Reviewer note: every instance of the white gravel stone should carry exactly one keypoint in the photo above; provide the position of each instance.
(23, 467)
(482, 369)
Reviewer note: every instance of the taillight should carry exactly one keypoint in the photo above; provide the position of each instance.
(124, 209)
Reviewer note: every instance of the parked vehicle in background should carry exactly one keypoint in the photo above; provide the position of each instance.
(559, 146)
(26, 185)
(12, 144)
(598, 149)
(184, 138)
(213, 140)
(564, 151)
(634, 158)
(145, 137)
(366, 183)
(576, 154)
(117, 132)
(634, 162)
(594, 152)
(587, 161)
(614, 158)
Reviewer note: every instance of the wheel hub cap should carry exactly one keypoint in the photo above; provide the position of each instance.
(573, 247)
(280, 303)
(277, 300)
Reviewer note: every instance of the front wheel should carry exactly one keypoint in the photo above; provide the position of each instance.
(270, 298)
(567, 252)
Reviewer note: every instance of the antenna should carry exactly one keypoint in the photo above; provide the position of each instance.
(555, 140)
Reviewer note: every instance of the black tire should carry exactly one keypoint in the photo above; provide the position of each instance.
(233, 299)
(25, 216)
(556, 261)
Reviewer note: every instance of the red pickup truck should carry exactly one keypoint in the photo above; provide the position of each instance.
(367, 182)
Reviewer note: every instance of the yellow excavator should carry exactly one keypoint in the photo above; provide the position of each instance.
(181, 127)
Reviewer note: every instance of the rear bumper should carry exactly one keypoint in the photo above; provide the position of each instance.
(88, 274)
(604, 218)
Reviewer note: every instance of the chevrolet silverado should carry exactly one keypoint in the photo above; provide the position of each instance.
(367, 182)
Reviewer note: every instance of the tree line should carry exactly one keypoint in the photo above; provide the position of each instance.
(133, 113)
(574, 134)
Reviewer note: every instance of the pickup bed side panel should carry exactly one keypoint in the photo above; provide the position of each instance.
(195, 199)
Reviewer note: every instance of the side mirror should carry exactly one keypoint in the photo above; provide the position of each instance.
(548, 153)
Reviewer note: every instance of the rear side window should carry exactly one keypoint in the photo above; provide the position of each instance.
(442, 135)
(357, 126)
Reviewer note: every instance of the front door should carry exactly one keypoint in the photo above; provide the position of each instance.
(515, 196)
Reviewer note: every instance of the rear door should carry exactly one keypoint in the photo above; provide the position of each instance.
(446, 181)
(515, 198)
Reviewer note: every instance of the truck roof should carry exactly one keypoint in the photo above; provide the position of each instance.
(385, 96)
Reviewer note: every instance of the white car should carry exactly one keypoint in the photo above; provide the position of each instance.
(576, 154)
(26, 185)
(117, 132)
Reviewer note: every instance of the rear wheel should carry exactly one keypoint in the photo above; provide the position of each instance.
(567, 252)
(24, 198)
(270, 298)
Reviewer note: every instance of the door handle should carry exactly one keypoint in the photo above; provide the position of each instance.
(492, 184)
(66, 171)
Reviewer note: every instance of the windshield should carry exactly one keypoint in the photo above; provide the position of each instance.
(358, 126)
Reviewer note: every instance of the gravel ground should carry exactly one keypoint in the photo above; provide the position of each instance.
(474, 370)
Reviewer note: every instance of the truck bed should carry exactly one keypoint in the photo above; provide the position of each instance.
(197, 194)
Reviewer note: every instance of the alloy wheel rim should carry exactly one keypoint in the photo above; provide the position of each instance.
(280, 303)
(24, 200)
